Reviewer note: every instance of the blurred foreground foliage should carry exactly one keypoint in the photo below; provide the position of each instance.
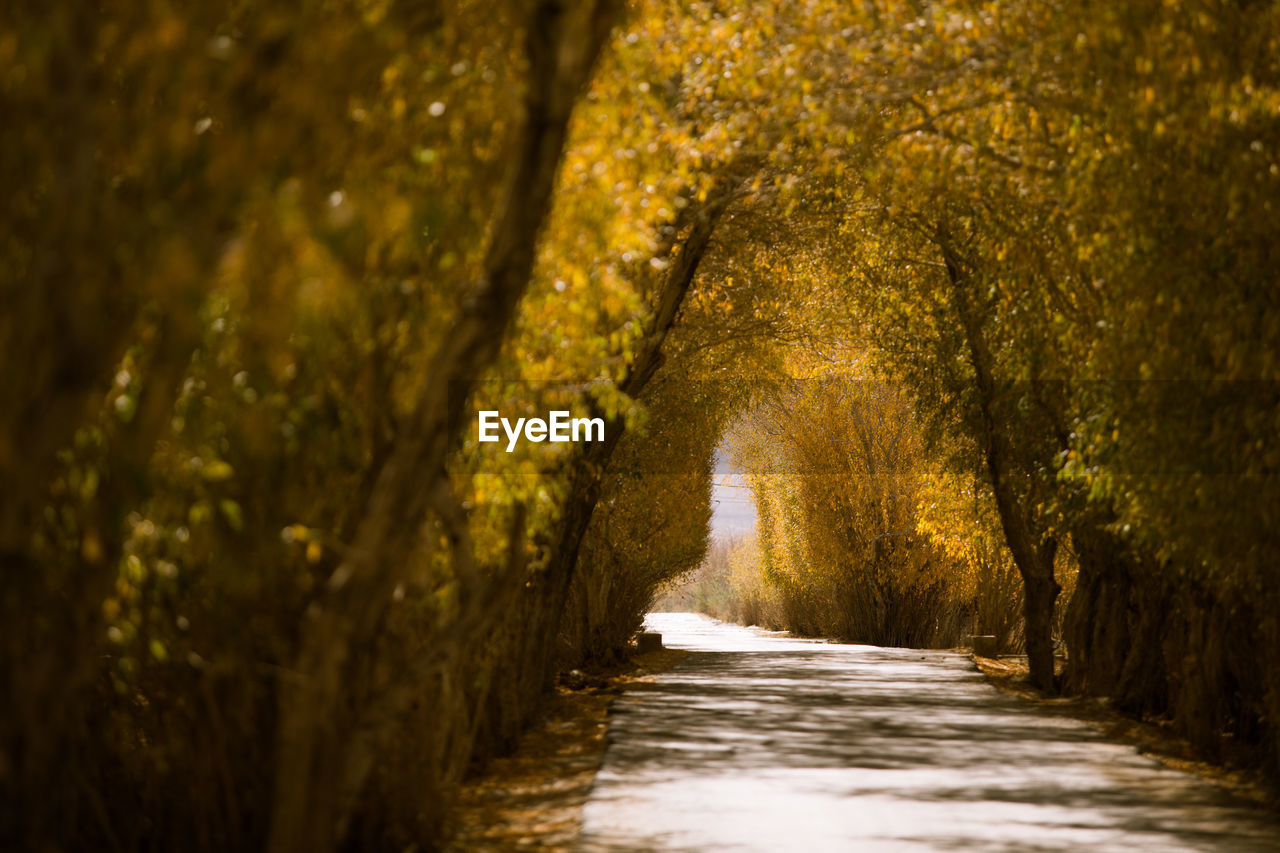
(1007, 268)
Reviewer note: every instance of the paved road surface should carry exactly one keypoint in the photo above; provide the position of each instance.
(759, 742)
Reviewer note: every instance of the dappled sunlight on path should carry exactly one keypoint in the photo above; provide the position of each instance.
(764, 742)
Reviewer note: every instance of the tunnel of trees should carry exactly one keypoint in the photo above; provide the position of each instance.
(982, 297)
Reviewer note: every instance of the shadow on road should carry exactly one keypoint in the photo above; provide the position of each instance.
(757, 742)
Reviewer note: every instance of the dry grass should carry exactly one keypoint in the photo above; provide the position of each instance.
(1150, 738)
(533, 799)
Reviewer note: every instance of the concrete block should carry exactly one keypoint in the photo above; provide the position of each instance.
(984, 645)
(649, 641)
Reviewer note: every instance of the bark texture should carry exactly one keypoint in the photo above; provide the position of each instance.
(1032, 549)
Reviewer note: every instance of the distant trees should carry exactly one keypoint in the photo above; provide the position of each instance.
(852, 541)
(650, 525)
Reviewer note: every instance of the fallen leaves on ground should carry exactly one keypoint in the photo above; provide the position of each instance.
(533, 799)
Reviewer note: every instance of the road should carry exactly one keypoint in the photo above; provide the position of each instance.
(761, 742)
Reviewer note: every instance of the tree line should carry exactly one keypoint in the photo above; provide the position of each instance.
(264, 587)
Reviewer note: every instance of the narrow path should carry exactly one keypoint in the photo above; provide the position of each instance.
(759, 742)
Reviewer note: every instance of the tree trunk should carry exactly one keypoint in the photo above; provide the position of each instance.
(320, 765)
(1114, 624)
(530, 671)
(1032, 550)
(1041, 593)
